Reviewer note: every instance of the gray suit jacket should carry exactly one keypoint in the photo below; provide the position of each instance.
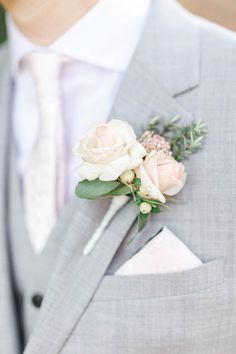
(183, 66)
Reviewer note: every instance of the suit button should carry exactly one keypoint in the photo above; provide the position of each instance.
(37, 300)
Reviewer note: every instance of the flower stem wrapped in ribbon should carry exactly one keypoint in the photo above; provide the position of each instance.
(149, 171)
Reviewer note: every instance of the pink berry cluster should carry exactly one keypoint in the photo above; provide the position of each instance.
(152, 141)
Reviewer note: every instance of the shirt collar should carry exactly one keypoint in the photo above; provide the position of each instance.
(106, 36)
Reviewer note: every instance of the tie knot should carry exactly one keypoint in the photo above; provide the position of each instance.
(45, 69)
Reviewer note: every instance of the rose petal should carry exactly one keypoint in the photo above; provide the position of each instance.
(172, 176)
(114, 169)
(137, 152)
(90, 171)
(105, 136)
(176, 188)
(147, 183)
(124, 130)
(150, 164)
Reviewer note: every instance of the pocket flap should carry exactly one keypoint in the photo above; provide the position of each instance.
(159, 285)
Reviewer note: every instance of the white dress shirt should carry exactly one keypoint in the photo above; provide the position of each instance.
(100, 45)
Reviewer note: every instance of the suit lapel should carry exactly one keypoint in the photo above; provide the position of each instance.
(156, 74)
(9, 338)
(77, 276)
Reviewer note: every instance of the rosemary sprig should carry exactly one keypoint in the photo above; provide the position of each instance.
(184, 140)
(187, 140)
(162, 127)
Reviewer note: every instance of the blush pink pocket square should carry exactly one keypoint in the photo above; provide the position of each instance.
(165, 253)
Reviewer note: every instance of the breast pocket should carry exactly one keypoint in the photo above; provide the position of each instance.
(177, 313)
(203, 277)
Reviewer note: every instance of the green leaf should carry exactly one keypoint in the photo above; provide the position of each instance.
(152, 201)
(94, 189)
(120, 190)
(156, 210)
(137, 182)
(187, 140)
(142, 221)
(138, 199)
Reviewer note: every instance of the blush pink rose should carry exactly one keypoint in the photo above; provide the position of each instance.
(160, 175)
(108, 150)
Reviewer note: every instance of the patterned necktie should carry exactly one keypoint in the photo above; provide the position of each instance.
(44, 181)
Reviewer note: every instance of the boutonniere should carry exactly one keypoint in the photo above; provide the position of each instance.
(148, 170)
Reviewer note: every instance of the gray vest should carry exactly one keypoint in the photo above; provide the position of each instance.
(31, 272)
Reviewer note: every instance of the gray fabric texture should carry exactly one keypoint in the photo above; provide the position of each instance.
(31, 276)
(183, 66)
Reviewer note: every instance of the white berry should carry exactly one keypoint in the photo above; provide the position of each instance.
(127, 176)
(145, 208)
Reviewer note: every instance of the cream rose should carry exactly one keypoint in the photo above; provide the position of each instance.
(108, 150)
(160, 175)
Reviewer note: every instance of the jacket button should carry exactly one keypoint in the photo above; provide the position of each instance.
(37, 300)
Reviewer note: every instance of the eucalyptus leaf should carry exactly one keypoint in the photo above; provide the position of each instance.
(138, 199)
(122, 189)
(94, 189)
(156, 210)
(137, 182)
(152, 201)
(142, 221)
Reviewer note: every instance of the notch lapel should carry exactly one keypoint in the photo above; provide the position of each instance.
(156, 74)
(9, 338)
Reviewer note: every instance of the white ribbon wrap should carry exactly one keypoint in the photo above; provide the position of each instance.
(116, 204)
